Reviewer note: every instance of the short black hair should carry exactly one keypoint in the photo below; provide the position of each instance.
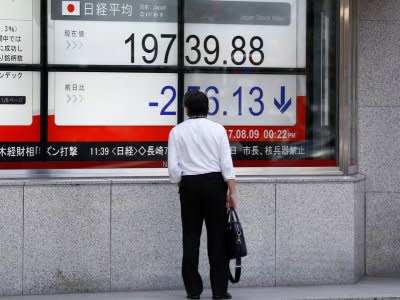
(196, 103)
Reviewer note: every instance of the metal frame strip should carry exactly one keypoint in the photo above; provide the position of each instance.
(348, 44)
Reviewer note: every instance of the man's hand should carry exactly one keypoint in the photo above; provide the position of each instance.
(231, 198)
(231, 201)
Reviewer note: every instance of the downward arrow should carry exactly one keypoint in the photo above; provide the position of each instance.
(282, 105)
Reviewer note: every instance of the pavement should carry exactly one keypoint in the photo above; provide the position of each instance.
(369, 288)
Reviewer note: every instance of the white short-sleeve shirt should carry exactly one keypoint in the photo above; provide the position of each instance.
(199, 146)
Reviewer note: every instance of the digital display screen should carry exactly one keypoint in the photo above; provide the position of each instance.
(113, 32)
(113, 111)
(264, 115)
(251, 33)
(19, 31)
(116, 99)
(19, 115)
(262, 100)
(19, 98)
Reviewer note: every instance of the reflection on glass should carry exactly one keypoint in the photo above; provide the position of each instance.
(322, 82)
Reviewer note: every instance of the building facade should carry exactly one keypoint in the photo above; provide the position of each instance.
(81, 210)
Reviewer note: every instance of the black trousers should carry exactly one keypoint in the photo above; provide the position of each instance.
(202, 198)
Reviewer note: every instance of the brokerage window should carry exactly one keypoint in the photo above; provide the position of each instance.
(113, 73)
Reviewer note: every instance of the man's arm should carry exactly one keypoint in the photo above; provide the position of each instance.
(231, 198)
(174, 168)
(227, 170)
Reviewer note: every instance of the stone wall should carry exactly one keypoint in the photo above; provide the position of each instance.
(379, 134)
(86, 236)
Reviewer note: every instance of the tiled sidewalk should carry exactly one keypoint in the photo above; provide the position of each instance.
(368, 288)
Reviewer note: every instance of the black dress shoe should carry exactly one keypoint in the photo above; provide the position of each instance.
(226, 296)
(193, 296)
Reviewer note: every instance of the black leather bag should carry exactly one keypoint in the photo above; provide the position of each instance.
(236, 244)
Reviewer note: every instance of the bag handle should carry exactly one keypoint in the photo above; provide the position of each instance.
(232, 215)
(238, 271)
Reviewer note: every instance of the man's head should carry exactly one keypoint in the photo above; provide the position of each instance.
(196, 104)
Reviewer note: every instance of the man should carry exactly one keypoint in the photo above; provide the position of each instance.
(199, 160)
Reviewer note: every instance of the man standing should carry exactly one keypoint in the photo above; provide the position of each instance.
(199, 160)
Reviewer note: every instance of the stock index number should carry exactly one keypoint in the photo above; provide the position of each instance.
(150, 45)
(208, 49)
(211, 46)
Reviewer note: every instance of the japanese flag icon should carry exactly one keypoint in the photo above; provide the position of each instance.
(71, 8)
